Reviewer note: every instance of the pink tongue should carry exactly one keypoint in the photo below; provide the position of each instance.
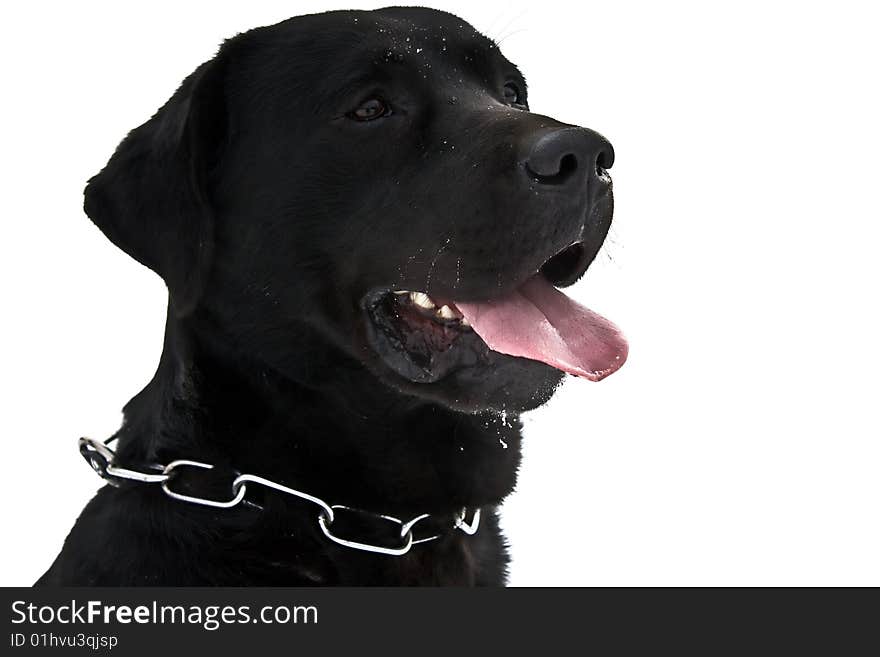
(539, 322)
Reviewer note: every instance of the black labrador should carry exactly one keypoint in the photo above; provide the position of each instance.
(363, 230)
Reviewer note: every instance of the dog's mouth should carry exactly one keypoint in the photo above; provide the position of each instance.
(423, 337)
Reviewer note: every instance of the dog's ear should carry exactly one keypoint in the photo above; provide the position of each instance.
(151, 199)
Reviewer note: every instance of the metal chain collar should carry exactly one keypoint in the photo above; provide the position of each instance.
(100, 457)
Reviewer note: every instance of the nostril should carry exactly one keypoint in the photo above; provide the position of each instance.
(568, 165)
(604, 160)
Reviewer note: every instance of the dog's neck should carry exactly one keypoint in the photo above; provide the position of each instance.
(363, 445)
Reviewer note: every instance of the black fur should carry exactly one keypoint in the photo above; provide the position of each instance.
(274, 217)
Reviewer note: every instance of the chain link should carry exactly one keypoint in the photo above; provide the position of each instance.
(100, 457)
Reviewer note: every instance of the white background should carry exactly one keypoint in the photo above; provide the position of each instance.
(739, 445)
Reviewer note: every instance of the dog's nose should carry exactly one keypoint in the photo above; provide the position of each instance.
(569, 154)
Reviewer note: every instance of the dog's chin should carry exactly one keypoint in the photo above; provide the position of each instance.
(500, 384)
(427, 349)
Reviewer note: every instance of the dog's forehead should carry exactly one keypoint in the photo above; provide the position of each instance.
(419, 31)
(427, 39)
(422, 38)
(449, 54)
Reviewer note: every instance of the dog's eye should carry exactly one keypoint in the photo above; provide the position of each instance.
(512, 94)
(370, 109)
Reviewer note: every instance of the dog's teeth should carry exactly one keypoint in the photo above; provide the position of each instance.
(447, 313)
(422, 300)
(464, 321)
(401, 293)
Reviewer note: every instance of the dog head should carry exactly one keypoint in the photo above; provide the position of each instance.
(373, 185)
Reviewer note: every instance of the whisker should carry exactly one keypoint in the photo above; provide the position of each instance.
(506, 37)
(508, 24)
